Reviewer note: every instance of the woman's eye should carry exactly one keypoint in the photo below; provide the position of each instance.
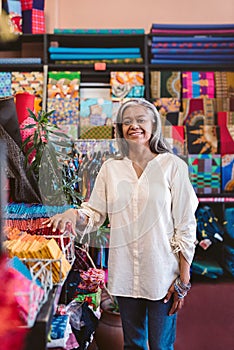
(141, 121)
(126, 122)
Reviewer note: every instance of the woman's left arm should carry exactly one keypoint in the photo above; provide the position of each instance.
(184, 204)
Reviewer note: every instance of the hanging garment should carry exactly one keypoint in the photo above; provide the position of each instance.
(23, 186)
(9, 119)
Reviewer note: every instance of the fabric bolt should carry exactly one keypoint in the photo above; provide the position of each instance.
(166, 105)
(203, 139)
(224, 84)
(127, 197)
(5, 84)
(23, 102)
(30, 82)
(63, 84)
(226, 139)
(225, 118)
(198, 84)
(26, 4)
(127, 84)
(14, 60)
(176, 138)
(94, 112)
(165, 84)
(197, 111)
(205, 173)
(227, 169)
(66, 110)
(33, 21)
(193, 45)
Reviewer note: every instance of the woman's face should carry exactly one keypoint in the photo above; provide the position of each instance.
(137, 125)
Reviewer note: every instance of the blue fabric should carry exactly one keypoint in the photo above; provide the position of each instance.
(182, 39)
(146, 320)
(94, 50)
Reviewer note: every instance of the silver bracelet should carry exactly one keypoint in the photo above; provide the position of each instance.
(181, 288)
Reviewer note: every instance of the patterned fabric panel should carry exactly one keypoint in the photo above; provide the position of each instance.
(5, 84)
(31, 82)
(227, 170)
(165, 84)
(202, 139)
(66, 110)
(127, 84)
(205, 173)
(95, 113)
(198, 111)
(198, 84)
(175, 137)
(226, 139)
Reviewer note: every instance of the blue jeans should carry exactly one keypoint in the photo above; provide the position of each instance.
(147, 322)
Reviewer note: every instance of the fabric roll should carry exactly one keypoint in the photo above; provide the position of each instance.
(5, 84)
(23, 102)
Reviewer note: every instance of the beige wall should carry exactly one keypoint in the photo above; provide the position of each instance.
(134, 13)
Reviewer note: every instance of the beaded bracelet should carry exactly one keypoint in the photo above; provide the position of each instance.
(181, 288)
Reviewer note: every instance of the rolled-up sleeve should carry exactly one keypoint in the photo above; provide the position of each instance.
(184, 205)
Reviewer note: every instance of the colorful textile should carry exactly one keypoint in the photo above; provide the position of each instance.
(127, 84)
(33, 21)
(92, 280)
(208, 268)
(100, 31)
(205, 173)
(95, 112)
(197, 111)
(66, 110)
(165, 84)
(5, 84)
(14, 11)
(63, 84)
(227, 169)
(225, 118)
(224, 84)
(14, 60)
(226, 139)
(31, 82)
(198, 84)
(202, 139)
(229, 258)
(60, 331)
(175, 137)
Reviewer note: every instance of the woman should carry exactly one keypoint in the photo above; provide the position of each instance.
(150, 202)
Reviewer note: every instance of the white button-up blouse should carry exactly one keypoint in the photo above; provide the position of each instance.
(151, 218)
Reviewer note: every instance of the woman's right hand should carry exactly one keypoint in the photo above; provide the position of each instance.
(60, 221)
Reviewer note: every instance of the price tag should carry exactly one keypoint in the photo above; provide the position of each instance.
(99, 66)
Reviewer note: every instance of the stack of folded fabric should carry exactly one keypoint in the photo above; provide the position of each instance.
(192, 43)
(84, 55)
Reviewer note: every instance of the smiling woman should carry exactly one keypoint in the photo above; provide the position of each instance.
(150, 203)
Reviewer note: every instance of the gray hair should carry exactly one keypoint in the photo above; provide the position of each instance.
(157, 142)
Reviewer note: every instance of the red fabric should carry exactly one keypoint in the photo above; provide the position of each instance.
(12, 336)
(26, 5)
(38, 21)
(23, 101)
(226, 140)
